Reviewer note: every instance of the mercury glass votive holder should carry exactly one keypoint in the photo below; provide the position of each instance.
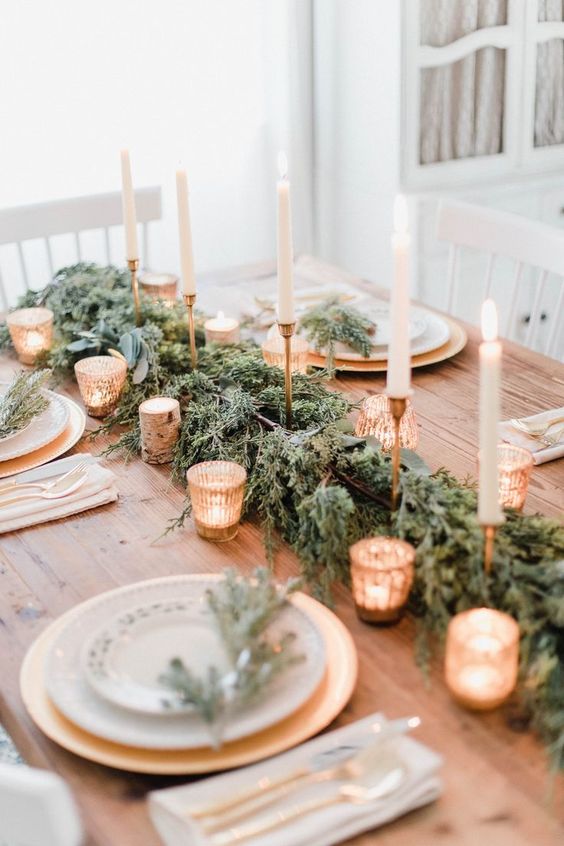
(159, 286)
(376, 419)
(31, 330)
(482, 657)
(382, 574)
(514, 465)
(216, 491)
(100, 380)
(273, 353)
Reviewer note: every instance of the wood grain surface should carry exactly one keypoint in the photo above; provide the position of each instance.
(496, 779)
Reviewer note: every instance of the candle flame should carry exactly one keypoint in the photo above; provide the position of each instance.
(401, 218)
(489, 320)
(220, 316)
(282, 164)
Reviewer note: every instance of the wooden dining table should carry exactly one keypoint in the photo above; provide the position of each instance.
(497, 787)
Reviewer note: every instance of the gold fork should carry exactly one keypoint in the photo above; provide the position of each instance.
(63, 487)
(535, 430)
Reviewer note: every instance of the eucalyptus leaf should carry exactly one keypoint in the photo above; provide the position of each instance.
(412, 461)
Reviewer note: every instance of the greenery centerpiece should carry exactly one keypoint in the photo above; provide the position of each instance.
(318, 488)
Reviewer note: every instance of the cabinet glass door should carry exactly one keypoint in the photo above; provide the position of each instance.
(549, 84)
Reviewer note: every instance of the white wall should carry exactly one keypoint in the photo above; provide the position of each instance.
(175, 81)
(357, 132)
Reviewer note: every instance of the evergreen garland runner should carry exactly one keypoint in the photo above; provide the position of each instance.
(320, 489)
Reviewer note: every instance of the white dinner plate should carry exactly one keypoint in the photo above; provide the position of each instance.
(436, 334)
(41, 431)
(70, 691)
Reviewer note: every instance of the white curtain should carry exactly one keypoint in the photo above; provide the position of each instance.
(549, 111)
(461, 103)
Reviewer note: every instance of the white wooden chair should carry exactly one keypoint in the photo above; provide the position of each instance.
(71, 217)
(529, 244)
(36, 809)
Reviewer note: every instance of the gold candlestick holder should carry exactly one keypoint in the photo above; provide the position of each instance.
(397, 410)
(133, 265)
(489, 541)
(287, 330)
(190, 300)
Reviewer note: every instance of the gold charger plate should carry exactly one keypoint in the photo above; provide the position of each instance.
(70, 435)
(326, 703)
(456, 342)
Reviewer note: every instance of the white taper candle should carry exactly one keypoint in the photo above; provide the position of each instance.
(399, 361)
(185, 234)
(489, 510)
(285, 248)
(128, 205)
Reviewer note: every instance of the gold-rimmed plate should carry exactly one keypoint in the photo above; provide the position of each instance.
(456, 342)
(70, 435)
(326, 703)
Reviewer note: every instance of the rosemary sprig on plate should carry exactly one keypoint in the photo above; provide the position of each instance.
(22, 402)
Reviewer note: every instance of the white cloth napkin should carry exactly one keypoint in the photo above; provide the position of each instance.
(333, 824)
(98, 489)
(541, 453)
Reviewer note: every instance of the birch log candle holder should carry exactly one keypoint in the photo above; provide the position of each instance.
(100, 380)
(482, 657)
(31, 331)
(222, 330)
(159, 420)
(376, 419)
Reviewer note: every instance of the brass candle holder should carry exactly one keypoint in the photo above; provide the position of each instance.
(286, 331)
(397, 410)
(375, 419)
(31, 331)
(382, 570)
(216, 490)
(133, 265)
(482, 657)
(489, 542)
(190, 300)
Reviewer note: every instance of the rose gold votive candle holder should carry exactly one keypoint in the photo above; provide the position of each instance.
(273, 353)
(482, 657)
(159, 286)
(159, 421)
(222, 330)
(382, 575)
(514, 465)
(376, 419)
(100, 380)
(216, 490)
(31, 330)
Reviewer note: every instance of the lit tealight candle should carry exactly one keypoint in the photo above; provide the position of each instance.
(31, 331)
(482, 656)
(222, 330)
(216, 490)
(382, 574)
(160, 286)
(100, 380)
(159, 419)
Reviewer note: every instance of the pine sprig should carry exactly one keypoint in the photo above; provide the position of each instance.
(23, 401)
(243, 611)
(330, 322)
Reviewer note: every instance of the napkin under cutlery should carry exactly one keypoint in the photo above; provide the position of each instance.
(169, 808)
(541, 453)
(98, 489)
